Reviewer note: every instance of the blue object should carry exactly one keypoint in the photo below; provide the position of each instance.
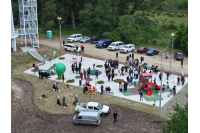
(49, 34)
(103, 43)
(152, 52)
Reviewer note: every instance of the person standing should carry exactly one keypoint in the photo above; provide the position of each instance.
(56, 86)
(127, 58)
(178, 80)
(126, 70)
(127, 78)
(141, 59)
(63, 78)
(160, 76)
(113, 76)
(167, 75)
(72, 68)
(79, 67)
(132, 56)
(96, 73)
(125, 86)
(58, 102)
(117, 55)
(108, 77)
(120, 87)
(81, 75)
(129, 55)
(141, 95)
(115, 116)
(154, 80)
(84, 73)
(182, 63)
(39, 74)
(130, 72)
(64, 98)
(101, 90)
(63, 43)
(174, 90)
(93, 66)
(93, 89)
(105, 65)
(156, 87)
(42, 74)
(76, 69)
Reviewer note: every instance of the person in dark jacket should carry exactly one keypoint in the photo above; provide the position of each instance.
(84, 73)
(42, 74)
(167, 75)
(181, 63)
(178, 80)
(39, 74)
(79, 67)
(101, 90)
(113, 71)
(127, 78)
(113, 76)
(96, 73)
(115, 116)
(63, 78)
(108, 77)
(76, 69)
(125, 86)
(126, 70)
(58, 102)
(72, 68)
(141, 95)
(117, 55)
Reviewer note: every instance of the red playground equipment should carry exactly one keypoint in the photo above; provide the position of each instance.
(146, 83)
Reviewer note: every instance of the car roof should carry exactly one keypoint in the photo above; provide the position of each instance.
(151, 49)
(118, 42)
(106, 40)
(92, 104)
(70, 44)
(179, 53)
(83, 113)
(75, 34)
(129, 44)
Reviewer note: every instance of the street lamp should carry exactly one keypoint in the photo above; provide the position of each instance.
(59, 18)
(161, 53)
(171, 51)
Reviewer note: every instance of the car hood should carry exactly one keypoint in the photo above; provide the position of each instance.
(83, 39)
(69, 38)
(123, 48)
(148, 52)
(99, 44)
(105, 108)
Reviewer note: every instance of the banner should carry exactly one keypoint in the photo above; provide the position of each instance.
(45, 57)
(54, 53)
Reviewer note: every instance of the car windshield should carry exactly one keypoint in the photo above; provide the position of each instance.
(125, 46)
(151, 50)
(100, 106)
(179, 54)
(88, 37)
(112, 44)
(76, 115)
(100, 42)
(141, 48)
(75, 46)
(84, 37)
(71, 37)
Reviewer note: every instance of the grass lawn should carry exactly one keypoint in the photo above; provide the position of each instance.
(177, 20)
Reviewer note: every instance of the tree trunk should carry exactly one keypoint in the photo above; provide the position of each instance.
(73, 19)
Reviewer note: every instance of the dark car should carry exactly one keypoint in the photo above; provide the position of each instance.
(142, 50)
(103, 43)
(178, 56)
(94, 40)
(152, 52)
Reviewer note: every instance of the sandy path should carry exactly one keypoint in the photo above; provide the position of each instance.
(104, 53)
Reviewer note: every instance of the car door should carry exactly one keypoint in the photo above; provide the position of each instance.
(129, 48)
(90, 109)
(96, 109)
(79, 120)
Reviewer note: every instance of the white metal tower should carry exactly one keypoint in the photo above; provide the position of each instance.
(14, 33)
(29, 22)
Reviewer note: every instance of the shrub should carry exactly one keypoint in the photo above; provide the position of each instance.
(99, 65)
(181, 26)
(172, 21)
(62, 58)
(70, 81)
(152, 15)
(100, 82)
(173, 26)
(126, 66)
(117, 80)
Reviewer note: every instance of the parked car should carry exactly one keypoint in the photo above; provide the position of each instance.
(152, 52)
(142, 50)
(94, 40)
(74, 37)
(89, 118)
(93, 107)
(85, 39)
(115, 45)
(178, 56)
(103, 43)
(72, 47)
(127, 48)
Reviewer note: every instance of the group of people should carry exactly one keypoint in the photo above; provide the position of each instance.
(64, 101)
(76, 67)
(43, 74)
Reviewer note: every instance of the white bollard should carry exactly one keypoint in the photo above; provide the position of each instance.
(71, 88)
(53, 89)
(58, 97)
(71, 95)
(46, 100)
(76, 96)
(59, 91)
(40, 98)
(64, 107)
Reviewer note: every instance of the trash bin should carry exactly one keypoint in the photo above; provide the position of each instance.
(49, 34)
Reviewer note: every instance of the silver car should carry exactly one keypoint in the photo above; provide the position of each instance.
(85, 39)
(89, 118)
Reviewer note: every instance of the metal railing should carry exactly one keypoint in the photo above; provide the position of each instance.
(15, 33)
(30, 16)
(30, 2)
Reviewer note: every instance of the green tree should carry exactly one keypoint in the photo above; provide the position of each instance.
(47, 20)
(115, 35)
(181, 40)
(178, 122)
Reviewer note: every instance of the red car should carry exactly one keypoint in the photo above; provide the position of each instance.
(142, 50)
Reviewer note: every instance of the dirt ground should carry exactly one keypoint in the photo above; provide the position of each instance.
(91, 50)
(26, 117)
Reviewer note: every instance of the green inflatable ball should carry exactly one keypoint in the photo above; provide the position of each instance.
(59, 68)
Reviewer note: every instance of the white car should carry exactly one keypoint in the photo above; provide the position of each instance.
(74, 38)
(72, 47)
(127, 48)
(115, 45)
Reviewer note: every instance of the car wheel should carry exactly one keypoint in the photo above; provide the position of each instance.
(65, 49)
(76, 123)
(94, 125)
(115, 49)
(72, 40)
(103, 114)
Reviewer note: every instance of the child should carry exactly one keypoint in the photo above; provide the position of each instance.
(93, 66)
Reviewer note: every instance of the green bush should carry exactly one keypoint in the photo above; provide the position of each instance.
(173, 26)
(172, 21)
(181, 26)
(70, 81)
(152, 15)
(117, 80)
(100, 82)
(62, 58)
(99, 65)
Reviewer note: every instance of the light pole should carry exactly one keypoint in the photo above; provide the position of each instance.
(161, 53)
(171, 51)
(59, 18)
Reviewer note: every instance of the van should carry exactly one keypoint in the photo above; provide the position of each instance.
(72, 47)
(74, 37)
(88, 118)
(127, 48)
(116, 45)
(103, 43)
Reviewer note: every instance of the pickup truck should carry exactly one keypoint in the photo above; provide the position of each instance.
(93, 107)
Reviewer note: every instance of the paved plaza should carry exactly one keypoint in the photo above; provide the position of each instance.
(132, 91)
